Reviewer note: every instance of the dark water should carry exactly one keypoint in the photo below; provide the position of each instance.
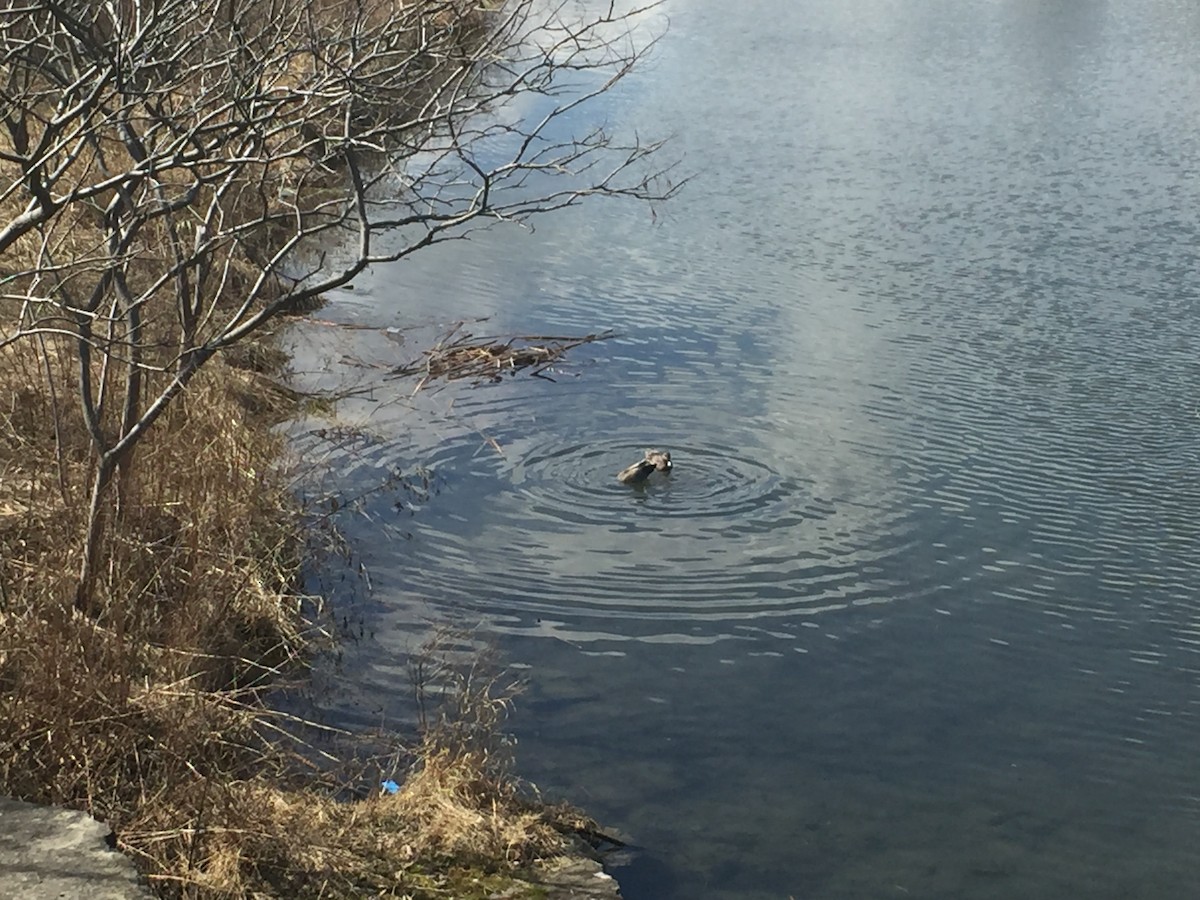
(918, 612)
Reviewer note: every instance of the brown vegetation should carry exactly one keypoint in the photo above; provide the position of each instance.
(174, 177)
(151, 714)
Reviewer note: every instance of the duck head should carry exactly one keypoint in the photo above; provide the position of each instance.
(661, 459)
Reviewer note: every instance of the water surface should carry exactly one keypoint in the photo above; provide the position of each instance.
(917, 614)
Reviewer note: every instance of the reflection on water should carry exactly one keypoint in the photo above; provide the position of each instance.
(918, 611)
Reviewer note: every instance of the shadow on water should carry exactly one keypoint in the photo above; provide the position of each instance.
(652, 875)
(916, 613)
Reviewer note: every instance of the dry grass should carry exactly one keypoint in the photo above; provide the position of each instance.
(151, 713)
(150, 708)
(115, 711)
(458, 817)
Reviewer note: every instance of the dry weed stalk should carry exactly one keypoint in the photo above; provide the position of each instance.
(460, 812)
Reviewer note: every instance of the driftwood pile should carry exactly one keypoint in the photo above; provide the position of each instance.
(459, 355)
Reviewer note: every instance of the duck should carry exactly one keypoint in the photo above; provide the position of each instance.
(652, 461)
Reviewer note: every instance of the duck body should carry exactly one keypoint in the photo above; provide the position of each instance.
(637, 473)
(653, 461)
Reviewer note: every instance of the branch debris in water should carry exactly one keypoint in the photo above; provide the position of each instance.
(460, 355)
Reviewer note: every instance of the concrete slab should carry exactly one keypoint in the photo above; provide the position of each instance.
(47, 853)
(577, 879)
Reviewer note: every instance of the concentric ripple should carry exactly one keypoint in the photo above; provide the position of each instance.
(544, 533)
(578, 483)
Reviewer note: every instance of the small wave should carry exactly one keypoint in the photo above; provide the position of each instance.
(553, 536)
(578, 482)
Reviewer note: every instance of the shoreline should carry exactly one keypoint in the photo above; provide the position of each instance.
(34, 840)
(151, 548)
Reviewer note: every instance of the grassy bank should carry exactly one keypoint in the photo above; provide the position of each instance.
(150, 552)
(153, 715)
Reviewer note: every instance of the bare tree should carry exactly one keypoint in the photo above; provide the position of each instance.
(174, 174)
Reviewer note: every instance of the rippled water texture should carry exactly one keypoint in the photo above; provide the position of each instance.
(917, 612)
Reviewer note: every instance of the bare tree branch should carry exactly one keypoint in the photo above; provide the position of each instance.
(175, 174)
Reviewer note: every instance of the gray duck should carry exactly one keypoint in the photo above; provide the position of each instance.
(653, 461)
